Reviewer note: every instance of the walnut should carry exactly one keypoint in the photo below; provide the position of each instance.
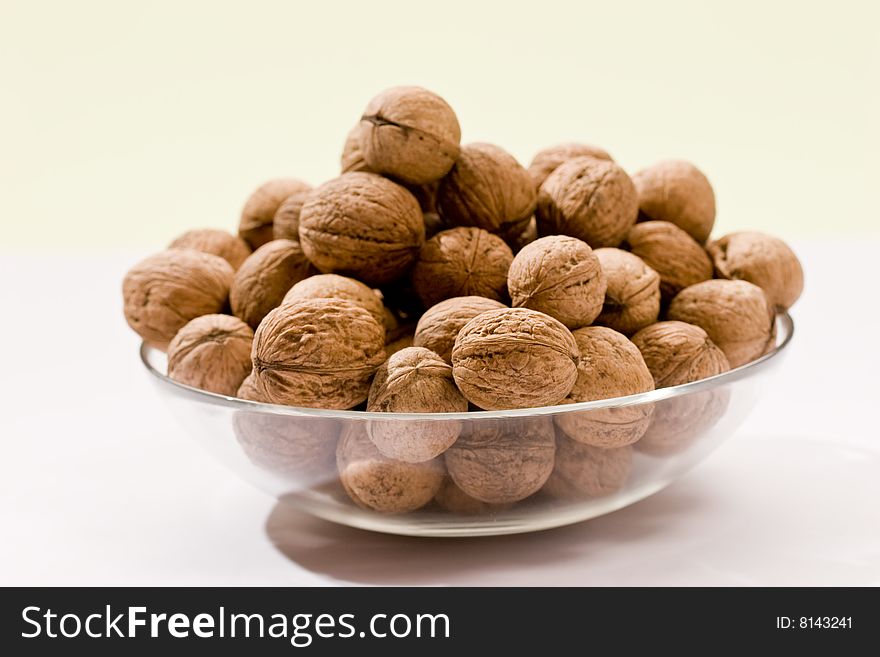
(374, 481)
(166, 290)
(735, 314)
(453, 499)
(679, 422)
(248, 389)
(677, 191)
(255, 226)
(547, 160)
(317, 352)
(261, 282)
(433, 224)
(414, 380)
(398, 344)
(609, 366)
(529, 235)
(285, 225)
(213, 353)
(632, 300)
(299, 449)
(334, 286)
(363, 225)
(487, 188)
(501, 461)
(439, 326)
(672, 253)
(410, 134)
(766, 261)
(352, 157)
(677, 352)
(559, 276)
(593, 200)
(583, 471)
(514, 358)
(462, 262)
(232, 249)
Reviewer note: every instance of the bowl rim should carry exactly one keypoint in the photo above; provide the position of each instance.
(783, 321)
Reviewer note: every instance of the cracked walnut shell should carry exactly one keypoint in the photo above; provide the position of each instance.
(547, 160)
(632, 298)
(319, 353)
(334, 286)
(593, 200)
(362, 225)
(677, 191)
(462, 262)
(439, 325)
(255, 226)
(213, 353)
(514, 358)
(410, 134)
(166, 290)
(559, 276)
(232, 249)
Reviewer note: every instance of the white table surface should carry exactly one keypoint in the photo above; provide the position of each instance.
(98, 485)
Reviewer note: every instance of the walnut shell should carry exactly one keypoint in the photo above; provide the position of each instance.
(487, 188)
(680, 422)
(766, 261)
(547, 160)
(677, 352)
(414, 380)
(301, 449)
(735, 314)
(248, 388)
(593, 200)
(410, 134)
(559, 276)
(453, 499)
(213, 353)
(433, 224)
(462, 262)
(362, 225)
(232, 249)
(334, 286)
(501, 461)
(672, 253)
(529, 235)
(255, 226)
(398, 344)
(439, 326)
(352, 158)
(285, 225)
(632, 299)
(583, 471)
(318, 353)
(164, 291)
(261, 282)
(514, 358)
(609, 366)
(374, 481)
(677, 191)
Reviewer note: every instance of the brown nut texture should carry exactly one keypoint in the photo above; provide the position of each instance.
(609, 366)
(261, 282)
(677, 352)
(414, 380)
(559, 276)
(735, 314)
(334, 286)
(255, 226)
(453, 499)
(213, 353)
(547, 160)
(766, 261)
(514, 358)
(487, 188)
(677, 191)
(248, 388)
(680, 422)
(527, 236)
(398, 344)
(584, 471)
(462, 262)
(285, 225)
(439, 326)
(352, 158)
(362, 225)
(232, 249)
(632, 297)
(672, 253)
(502, 461)
(410, 134)
(318, 353)
(374, 481)
(164, 291)
(593, 200)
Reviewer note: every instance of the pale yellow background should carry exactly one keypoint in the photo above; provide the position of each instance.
(122, 123)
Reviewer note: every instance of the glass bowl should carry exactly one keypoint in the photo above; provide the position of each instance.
(291, 452)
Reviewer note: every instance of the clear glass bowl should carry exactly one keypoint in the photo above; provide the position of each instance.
(291, 452)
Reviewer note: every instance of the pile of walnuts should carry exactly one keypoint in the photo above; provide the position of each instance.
(435, 277)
